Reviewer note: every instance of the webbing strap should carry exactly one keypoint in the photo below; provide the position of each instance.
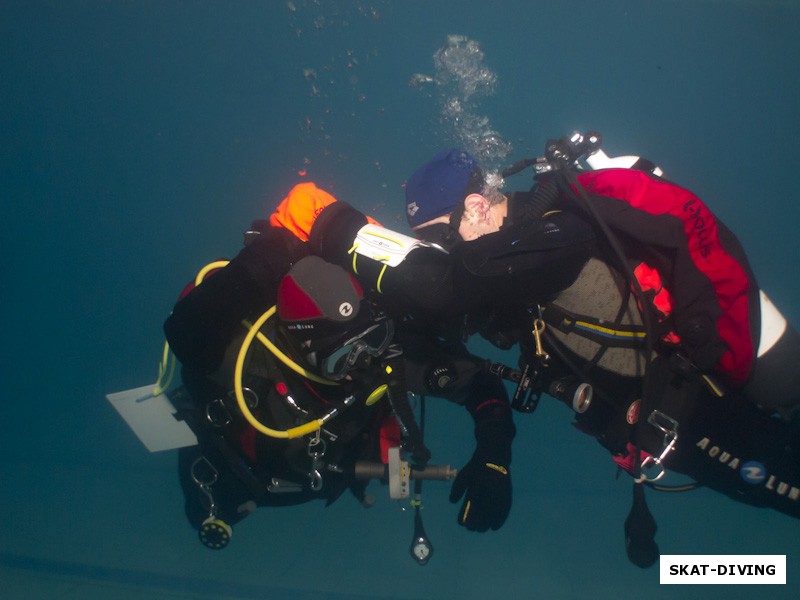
(598, 330)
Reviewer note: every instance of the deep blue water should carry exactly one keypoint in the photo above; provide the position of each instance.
(139, 139)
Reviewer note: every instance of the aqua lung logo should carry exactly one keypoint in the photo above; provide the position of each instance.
(345, 309)
(382, 243)
(412, 209)
(752, 471)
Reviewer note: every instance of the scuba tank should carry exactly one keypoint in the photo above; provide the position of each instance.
(774, 383)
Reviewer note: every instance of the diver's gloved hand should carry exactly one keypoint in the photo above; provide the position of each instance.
(485, 481)
(300, 209)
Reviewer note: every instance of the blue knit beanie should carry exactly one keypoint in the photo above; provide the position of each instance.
(439, 185)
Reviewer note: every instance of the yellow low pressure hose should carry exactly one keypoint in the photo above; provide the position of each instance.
(165, 369)
(294, 432)
(252, 333)
(201, 275)
(285, 359)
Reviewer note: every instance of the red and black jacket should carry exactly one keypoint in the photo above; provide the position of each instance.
(714, 296)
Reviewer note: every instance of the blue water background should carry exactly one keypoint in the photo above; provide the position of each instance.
(139, 139)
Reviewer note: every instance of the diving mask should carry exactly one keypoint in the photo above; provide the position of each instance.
(355, 351)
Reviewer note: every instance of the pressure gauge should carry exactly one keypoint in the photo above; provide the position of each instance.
(421, 549)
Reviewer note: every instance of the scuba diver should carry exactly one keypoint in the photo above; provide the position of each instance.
(627, 297)
(296, 411)
(325, 409)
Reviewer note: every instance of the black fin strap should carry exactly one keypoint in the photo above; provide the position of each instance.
(640, 531)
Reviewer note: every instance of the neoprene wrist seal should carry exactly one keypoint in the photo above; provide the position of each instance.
(334, 231)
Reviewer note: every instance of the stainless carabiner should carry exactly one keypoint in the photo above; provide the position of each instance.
(669, 427)
(250, 397)
(217, 414)
(205, 483)
(315, 474)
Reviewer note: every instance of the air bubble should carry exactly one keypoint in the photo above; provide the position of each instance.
(462, 78)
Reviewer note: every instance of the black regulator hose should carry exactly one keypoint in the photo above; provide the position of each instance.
(640, 527)
(394, 369)
(542, 201)
(518, 166)
(640, 532)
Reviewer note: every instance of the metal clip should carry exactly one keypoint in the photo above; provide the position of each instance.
(282, 486)
(250, 397)
(217, 414)
(526, 398)
(293, 405)
(315, 474)
(669, 427)
(205, 483)
(538, 329)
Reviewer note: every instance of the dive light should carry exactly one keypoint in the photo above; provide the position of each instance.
(572, 392)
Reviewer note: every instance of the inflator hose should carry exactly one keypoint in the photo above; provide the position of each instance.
(540, 202)
(398, 398)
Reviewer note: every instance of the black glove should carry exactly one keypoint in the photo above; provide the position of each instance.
(485, 481)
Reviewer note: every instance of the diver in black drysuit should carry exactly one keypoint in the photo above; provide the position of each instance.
(234, 468)
(734, 443)
(243, 469)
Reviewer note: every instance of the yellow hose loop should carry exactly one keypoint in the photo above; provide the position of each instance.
(261, 337)
(355, 255)
(380, 278)
(285, 359)
(253, 332)
(166, 366)
(294, 432)
(209, 267)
